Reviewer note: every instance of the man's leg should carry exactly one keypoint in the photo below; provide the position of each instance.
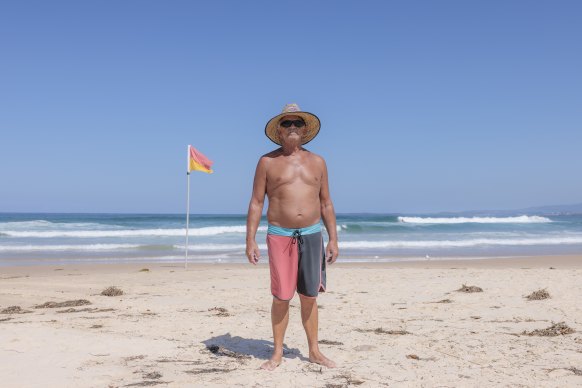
(309, 317)
(279, 319)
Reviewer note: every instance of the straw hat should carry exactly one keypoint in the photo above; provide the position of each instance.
(312, 124)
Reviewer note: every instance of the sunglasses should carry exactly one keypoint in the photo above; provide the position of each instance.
(288, 123)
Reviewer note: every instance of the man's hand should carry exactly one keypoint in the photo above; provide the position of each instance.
(253, 253)
(331, 252)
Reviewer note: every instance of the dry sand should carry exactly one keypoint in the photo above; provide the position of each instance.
(399, 324)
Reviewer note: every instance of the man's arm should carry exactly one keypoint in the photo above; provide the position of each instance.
(328, 215)
(256, 210)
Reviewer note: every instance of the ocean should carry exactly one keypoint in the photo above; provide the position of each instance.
(27, 239)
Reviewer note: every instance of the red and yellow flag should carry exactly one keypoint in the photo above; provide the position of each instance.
(198, 162)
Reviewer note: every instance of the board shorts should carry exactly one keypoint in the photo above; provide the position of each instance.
(296, 261)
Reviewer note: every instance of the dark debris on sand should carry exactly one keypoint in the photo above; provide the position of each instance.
(102, 310)
(189, 362)
(14, 310)
(469, 289)
(380, 330)
(220, 312)
(221, 351)
(443, 301)
(208, 370)
(392, 332)
(11, 310)
(68, 303)
(152, 375)
(540, 294)
(576, 371)
(349, 379)
(74, 310)
(147, 383)
(328, 342)
(133, 358)
(556, 329)
(112, 291)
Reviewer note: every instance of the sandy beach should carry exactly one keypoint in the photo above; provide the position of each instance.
(389, 324)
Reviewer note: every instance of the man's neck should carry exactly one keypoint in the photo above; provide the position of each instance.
(290, 149)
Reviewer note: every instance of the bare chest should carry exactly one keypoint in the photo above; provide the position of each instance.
(293, 172)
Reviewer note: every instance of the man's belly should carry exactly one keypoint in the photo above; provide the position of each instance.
(294, 214)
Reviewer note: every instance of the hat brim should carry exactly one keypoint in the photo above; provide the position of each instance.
(312, 126)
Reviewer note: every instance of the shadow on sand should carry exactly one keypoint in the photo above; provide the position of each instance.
(260, 349)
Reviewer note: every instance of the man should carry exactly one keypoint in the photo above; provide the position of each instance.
(295, 182)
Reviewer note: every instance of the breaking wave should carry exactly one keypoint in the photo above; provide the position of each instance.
(477, 220)
(204, 231)
(460, 243)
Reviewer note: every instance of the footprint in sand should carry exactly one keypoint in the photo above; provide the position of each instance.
(364, 348)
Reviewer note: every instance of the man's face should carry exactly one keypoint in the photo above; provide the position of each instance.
(291, 134)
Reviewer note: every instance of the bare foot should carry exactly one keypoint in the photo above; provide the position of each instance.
(272, 364)
(320, 359)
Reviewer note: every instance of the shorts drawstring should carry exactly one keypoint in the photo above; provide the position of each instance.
(296, 238)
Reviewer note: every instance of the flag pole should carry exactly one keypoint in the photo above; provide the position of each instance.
(187, 211)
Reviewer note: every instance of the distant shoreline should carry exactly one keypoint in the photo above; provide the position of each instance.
(545, 261)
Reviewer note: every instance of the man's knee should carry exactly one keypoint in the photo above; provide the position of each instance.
(307, 299)
(280, 302)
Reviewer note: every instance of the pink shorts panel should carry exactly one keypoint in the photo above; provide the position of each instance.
(283, 264)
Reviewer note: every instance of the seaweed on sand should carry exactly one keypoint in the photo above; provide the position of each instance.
(208, 370)
(556, 329)
(152, 375)
(328, 342)
(469, 289)
(380, 330)
(220, 311)
(147, 383)
(68, 303)
(221, 351)
(13, 310)
(74, 310)
(112, 291)
(540, 294)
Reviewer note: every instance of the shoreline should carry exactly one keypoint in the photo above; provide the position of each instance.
(520, 262)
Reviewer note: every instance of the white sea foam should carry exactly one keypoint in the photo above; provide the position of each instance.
(48, 225)
(204, 231)
(88, 247)
(218, 247)
(460, 243)
(353, 245)
(478, 220)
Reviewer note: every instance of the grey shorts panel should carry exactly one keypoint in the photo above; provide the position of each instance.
(311, 277)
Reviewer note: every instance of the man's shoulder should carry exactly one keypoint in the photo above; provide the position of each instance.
(313, 156)
(271, 155)
(266, 159)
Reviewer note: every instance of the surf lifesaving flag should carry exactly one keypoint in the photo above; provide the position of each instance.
(198, 162)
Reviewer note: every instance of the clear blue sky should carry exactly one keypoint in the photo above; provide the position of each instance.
(425, 105)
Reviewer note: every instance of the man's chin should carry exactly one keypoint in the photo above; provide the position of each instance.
(292, 139)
